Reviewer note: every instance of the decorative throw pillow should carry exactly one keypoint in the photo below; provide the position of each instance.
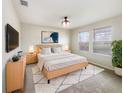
(46, 51)
(57, 49)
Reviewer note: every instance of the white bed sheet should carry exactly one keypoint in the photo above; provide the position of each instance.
(59, 60)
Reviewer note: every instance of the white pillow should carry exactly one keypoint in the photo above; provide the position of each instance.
(57, 49)
(46, 51)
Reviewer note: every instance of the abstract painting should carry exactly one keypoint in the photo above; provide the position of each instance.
(49, 37)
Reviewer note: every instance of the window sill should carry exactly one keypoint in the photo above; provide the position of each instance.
(102, 54)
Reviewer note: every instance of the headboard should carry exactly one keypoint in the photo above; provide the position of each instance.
(39, 47)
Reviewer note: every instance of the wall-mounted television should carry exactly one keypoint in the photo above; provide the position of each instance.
(12, 38)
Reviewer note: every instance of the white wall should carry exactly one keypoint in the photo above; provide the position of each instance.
(9, 16)
(31, 35)
(98, 59)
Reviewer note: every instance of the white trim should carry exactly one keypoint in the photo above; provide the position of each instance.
(102, 54)
(102, 66)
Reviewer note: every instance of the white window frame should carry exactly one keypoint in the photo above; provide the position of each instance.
(103, 40)
(80, 39)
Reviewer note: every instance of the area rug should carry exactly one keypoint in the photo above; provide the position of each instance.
(58, 84)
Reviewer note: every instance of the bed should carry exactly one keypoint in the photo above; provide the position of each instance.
(58, 64)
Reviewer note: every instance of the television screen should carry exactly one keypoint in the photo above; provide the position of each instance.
(12, 38)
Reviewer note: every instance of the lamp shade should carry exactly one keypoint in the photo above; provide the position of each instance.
(66, 47)
(31, 49)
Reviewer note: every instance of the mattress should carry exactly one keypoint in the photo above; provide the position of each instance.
(56, 61)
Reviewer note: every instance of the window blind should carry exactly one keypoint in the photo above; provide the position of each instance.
(102, 40)
(84, 41)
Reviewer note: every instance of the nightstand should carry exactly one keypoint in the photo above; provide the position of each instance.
(31, 58)
(68, 51)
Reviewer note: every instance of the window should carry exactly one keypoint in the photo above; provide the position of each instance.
(84, 41)
(102, 40)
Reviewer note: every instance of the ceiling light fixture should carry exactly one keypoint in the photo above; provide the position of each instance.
(65, 22)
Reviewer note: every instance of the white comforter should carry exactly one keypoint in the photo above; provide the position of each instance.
(59, 60)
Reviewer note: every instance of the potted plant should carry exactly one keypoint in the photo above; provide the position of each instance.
(117, 56)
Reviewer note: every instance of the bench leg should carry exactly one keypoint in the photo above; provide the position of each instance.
(48, 81)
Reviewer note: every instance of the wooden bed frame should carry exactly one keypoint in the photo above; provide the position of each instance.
(62, 71)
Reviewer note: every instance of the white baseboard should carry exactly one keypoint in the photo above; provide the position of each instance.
(102, 66)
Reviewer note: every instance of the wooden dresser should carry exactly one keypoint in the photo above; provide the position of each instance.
(15, 73)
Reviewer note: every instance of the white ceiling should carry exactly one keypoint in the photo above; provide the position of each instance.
(80, 12)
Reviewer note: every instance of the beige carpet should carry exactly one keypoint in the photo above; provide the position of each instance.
(58, 84)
